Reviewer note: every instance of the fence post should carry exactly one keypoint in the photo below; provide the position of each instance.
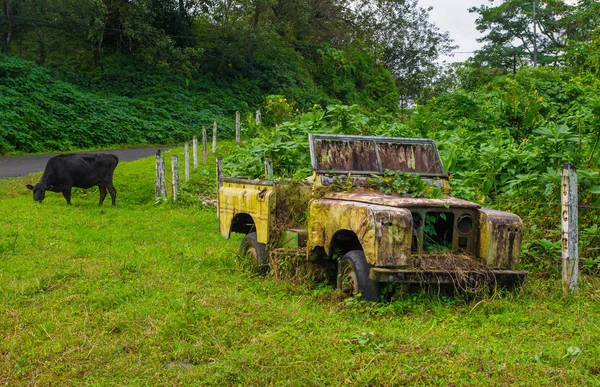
(160, 176)
(258, 116)
(570, 229)
(219, 172)
(187, 161)
(269, 168)
(204, 150)
(195, 146)
(237, 127)
(175, 172)
(214, 144)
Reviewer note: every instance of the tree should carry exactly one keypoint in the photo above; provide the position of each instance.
(581, 52)
(7, 25)
(537, 31)
(410, 43)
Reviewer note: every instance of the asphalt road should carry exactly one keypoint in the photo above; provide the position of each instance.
(14, 166)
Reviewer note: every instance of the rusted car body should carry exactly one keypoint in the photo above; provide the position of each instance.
(371, 237)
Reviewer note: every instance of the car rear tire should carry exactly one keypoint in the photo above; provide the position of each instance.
(253, 254)
(353, 277)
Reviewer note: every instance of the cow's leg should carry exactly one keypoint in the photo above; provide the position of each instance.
(102, 193)
(67, 194)
(113, 193)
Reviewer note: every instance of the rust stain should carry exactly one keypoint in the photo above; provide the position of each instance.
(347, 155)
(394, 236)
(414, 158)
(384, 233)
(501, 234)
(373, 155)
(328, 217)
(375, 197)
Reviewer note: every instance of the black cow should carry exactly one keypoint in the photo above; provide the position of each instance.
(64, 172)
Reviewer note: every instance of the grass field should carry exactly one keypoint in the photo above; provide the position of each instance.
(149, 293)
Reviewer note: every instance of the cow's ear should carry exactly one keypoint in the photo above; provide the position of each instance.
(29, 187)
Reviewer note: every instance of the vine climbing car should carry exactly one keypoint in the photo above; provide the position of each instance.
(376, 210)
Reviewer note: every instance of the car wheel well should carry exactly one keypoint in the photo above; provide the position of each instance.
(342, 242)
(243, 223)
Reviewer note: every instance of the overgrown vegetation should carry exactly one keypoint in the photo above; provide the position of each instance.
(403, 183)
(151, 294)
(39, 111)
(504, 144)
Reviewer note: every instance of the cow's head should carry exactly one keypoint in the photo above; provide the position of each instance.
(39, 191)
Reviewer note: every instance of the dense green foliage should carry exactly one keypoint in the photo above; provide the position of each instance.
(41, 111)
(310, 51)
(504, 144)
(144, 294)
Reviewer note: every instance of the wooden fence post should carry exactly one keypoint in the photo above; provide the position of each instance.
(570, 229)
(195, 146)
(269, 168)
(186, 151)
(160, 176)
(219, 172)
(258, 116)
(204, 150)
(214, 144)
(175, 172)
(237, 127)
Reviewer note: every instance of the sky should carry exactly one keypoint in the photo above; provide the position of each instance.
(453, 16)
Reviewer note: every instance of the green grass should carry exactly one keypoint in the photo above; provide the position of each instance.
(150, 294)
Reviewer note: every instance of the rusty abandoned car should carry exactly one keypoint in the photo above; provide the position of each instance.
(368, 235)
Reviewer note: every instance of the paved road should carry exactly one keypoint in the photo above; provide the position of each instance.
(23, 165)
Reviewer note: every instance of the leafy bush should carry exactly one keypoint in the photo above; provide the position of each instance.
(287, 145)
(39, 112)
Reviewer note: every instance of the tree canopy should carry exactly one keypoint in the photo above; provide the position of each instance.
(540, 32)
(283, 45)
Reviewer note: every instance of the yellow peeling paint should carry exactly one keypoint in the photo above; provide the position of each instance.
(330, 216)
(256, 200)
(500, 237)
(393, 236)
(384, 232)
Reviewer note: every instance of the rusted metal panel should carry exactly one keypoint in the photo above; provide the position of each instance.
(239, 196)
(292, 238)
(384, 232)
(500, 237)
(343, 155)
(376, 197)
(327, 217)
(393, 236)
(414, 158)
(472, 279)
(338, 154)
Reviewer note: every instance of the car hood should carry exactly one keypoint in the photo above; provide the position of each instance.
(375, 197)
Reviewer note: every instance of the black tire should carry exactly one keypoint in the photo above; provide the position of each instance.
(353, 276)
(253, 254)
